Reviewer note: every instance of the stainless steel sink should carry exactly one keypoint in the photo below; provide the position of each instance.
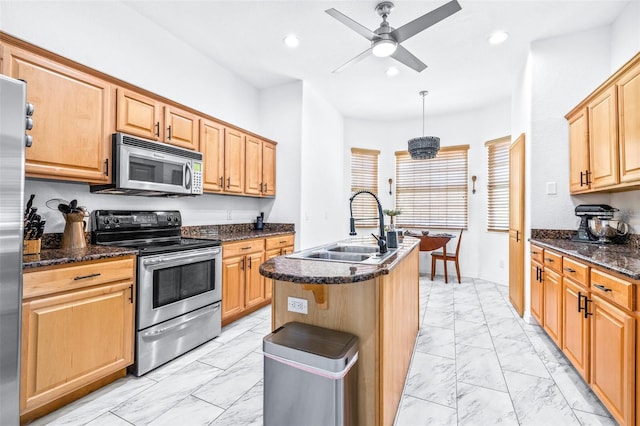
(344, 252)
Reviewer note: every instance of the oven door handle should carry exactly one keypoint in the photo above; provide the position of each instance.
(166, 261)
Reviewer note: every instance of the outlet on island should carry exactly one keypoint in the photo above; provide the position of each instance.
(297, 305)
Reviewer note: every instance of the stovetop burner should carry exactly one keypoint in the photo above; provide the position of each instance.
(151, 232)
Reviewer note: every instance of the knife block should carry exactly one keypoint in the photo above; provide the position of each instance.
(31, 246)
(73, 236)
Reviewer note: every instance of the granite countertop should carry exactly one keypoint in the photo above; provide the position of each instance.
(49, 257)
(621, 258)
(322, 272)
(226, 237)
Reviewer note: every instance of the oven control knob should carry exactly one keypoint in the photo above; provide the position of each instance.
(116, 220)
(169, 218)
(107, 220)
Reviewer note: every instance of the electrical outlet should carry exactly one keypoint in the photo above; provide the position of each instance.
(297, 305)
(228, 214)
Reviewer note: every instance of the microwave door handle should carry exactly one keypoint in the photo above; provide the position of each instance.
(187, 175)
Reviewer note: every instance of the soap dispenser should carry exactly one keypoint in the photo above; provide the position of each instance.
(260, 222)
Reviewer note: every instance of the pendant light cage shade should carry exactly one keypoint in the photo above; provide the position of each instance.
(423, 147)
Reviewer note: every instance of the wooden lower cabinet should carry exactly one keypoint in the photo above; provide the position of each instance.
(613, 359)
(576, 326)
(276, 246)
(73, 338)
(552, 319)
(537, 292)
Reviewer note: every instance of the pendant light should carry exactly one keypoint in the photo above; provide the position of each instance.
(423, 147)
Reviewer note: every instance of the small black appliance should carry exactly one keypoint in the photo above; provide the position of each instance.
(590, 211)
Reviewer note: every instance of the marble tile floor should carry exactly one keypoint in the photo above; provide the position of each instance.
(475, 363)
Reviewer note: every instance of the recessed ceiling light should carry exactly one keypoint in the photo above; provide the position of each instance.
(291, 40)
(392, 71)
(498, 37)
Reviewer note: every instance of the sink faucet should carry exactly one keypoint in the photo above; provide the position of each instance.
(382, 241)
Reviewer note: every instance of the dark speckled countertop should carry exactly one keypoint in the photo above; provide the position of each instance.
(322, 272)
(236, 232)
(621, 258)
(49, 257)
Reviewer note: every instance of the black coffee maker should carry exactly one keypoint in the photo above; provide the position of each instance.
(589, 211)
(259, 225)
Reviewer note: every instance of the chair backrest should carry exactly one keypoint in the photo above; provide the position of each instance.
(459, 239)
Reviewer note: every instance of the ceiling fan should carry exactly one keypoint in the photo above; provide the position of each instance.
(385, 41)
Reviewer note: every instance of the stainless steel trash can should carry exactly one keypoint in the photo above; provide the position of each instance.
(310, 376)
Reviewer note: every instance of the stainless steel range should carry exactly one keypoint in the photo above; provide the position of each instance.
(179, 285)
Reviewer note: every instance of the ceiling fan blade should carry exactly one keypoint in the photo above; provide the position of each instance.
(425, 21)
(353, 61)
(403, 55)
(362, 30)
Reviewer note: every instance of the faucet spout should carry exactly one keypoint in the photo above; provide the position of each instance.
(382, 241)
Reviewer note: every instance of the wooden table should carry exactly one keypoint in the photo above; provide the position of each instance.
(434, 242)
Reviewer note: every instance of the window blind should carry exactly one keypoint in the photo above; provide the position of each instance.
(364, 176)
(498, 184)
(433, 193)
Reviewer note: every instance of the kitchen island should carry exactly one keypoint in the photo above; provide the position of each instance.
(377, 303)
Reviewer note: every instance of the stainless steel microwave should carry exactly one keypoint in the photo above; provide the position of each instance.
(149, 168)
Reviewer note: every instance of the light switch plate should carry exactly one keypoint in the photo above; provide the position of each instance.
(552, 188)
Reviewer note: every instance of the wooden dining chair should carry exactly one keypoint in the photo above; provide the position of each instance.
(437, 255)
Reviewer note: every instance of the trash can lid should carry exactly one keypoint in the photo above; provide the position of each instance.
(316, 346)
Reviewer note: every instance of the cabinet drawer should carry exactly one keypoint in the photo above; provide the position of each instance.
(613, 288)
(537, 253)
(278, 241)
(242, 247)
(579, 272)
(553, 261)
(84, 274)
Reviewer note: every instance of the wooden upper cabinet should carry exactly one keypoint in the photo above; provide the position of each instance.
(234, 144)
(138, 115)
(181, 128)
(629, 125)
(212, 147)
(253, 166)
(71, 131)
(579, 176)
(268, 169)
(603, 139)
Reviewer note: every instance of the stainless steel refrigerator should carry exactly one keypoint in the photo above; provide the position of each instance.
(14, 120)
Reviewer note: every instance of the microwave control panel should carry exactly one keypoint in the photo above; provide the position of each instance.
(196, 184)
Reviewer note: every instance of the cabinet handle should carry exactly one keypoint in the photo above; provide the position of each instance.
(228, 182)
(534, 252)
(106, 167)
(84, 277)
(537, 274)
(580, 308)
(157, 131)
(569, 270)
(242, 264)
(549, 259)
(266, 187)
(246, 248)
(249, 262)
(583, 182)
(131, 293)
(221, 182)
(541, 274)
(588, 173)
(169, 131)
(601, 287)
(260, 187)
(586, 307)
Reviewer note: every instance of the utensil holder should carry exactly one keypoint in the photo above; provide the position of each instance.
(31, 246)
(73, 237)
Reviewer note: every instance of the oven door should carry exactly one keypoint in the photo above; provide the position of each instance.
(173, 284)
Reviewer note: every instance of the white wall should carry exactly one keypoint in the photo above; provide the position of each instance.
(481, 252)
(324, 198)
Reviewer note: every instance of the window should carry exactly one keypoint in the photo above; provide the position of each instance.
(498, 184)
(433, 193)
(364, 176)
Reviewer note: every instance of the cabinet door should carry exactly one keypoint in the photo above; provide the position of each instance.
(612, 359)
(71, 131)
(575, 337)
(268, 282)
(579, 176)
(537, 292)
(254, 284)
(212, 147)
(181, 128)
(138, 115)
(253, 166)
(603, 139)
(73, 339)
(629, 111)
(233, 273)
(268, 169)
(233, 161)
(552, 317)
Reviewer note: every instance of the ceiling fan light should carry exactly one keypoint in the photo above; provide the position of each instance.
(498, 37)
(392, 71)
(291, 40)
(384, 48)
